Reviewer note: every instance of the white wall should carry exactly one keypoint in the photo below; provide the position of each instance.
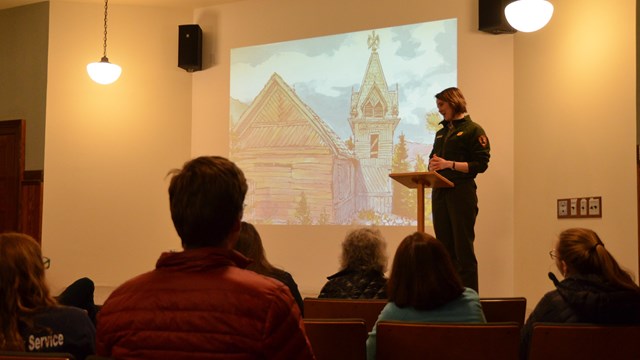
(575, 127)
(558, 105)
(485, 75)
(109, 148)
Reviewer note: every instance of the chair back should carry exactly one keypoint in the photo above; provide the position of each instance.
(23, 355)
(504, 309)
(337, 339)
(584, 341)
(366, 309)
(447, 341)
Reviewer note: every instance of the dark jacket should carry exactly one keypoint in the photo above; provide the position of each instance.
(60, 329)
(353, 284)
(465, 142)
(286, 278)
(199, 304)
(583, 299)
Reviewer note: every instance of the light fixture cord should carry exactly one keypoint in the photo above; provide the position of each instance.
(106, 5)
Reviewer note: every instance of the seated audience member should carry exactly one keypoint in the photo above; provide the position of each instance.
(250, 245)
(424, 286)
(594, 289)
(362, 266)
(201, 302)
(80, 295)
(30, 317)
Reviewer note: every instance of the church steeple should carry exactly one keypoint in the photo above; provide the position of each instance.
(374, 112)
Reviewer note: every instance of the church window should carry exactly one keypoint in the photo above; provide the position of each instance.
(374, 146)
(378, 110)
(368, 110)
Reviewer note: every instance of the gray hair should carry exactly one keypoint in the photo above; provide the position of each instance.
(364, 249)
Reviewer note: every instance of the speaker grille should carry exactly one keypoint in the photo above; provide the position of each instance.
(190, 47)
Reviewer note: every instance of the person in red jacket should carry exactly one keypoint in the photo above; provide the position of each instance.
(201, 303)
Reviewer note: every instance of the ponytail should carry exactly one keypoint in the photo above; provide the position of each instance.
(584, 253)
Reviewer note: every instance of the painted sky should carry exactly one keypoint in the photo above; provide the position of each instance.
(420, 58)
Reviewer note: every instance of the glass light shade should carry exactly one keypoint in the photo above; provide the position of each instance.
(104, 72)
(528, 15)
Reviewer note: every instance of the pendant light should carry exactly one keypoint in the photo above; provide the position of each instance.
(104, 72)
(528, 15)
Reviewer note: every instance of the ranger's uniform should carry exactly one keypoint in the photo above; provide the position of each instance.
(455, 209)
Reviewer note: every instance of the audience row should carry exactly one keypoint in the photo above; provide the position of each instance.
(222, 298)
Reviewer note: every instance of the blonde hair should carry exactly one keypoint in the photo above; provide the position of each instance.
(23, 289)
(364, 249)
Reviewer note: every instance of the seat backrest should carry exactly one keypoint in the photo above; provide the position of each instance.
(21, 355)
(366, 309)
(337, 339)
(584, 341)
(447, 341)
(504, 309)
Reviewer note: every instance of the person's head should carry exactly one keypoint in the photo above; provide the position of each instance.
(580, 251)
(206, 200)
(422, 275)
(23, 289)
(250, 245)
(451, 103)
(364, 249)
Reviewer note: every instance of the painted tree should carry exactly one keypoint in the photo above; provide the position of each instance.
(401, 204)
(432, 124)
(422, 166)
(303, 213)
(432, 121)
(324, 217)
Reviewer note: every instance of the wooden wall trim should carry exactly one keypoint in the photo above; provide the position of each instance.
(31, 208)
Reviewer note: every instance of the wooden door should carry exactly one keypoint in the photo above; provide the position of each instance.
(12, 144)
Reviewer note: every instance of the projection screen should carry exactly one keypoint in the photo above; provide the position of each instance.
(318, 124)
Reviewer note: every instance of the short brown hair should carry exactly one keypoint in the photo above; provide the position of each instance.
(206, 198)
(453, 96)
(422, 274)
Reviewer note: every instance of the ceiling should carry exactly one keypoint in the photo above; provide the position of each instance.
(5, 4)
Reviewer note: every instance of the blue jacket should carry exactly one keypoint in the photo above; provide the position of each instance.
(466, 308)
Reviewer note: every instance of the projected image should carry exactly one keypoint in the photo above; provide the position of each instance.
(317, 125)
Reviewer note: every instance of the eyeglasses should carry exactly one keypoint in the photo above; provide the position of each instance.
(46, 262)
(553, 254)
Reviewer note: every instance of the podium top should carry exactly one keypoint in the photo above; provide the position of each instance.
(429, 179)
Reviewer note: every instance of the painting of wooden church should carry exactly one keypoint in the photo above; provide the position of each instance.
(299, 170)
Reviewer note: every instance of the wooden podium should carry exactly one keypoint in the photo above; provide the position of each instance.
(421, 180)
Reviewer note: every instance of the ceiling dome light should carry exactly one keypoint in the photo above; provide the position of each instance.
(104, 72)
(528, 15)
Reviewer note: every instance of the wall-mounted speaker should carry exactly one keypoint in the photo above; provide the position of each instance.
(491, 17)
(190, 47)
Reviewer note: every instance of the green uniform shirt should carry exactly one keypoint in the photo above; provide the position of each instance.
(466, 142)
